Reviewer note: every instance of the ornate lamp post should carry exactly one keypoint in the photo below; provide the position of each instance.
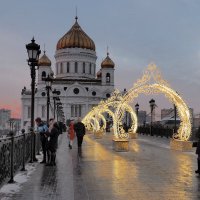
(55, 98)
(33, 50)
(175, 113)
(152, 106)
(137, 106)
(48, 81)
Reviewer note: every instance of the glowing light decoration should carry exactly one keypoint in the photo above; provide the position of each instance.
(101, 117)
(120, 111)
(144, 86)
(114, 102)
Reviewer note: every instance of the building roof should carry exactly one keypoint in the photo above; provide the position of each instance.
(44, 61)
(107, 62)
(76, 38)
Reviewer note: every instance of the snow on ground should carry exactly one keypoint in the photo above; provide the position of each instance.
(20, 178)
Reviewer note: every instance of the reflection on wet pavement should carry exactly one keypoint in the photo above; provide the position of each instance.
(149, 171)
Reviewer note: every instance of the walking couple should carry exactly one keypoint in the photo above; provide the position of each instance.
(79, 129)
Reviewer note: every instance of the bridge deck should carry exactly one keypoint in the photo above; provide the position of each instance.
(150, 170)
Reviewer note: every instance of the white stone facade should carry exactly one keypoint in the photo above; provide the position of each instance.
(75, 78)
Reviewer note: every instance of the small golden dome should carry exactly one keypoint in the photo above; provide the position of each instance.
(44, 61)
(107, 62)
(99, 74)
(76, 37)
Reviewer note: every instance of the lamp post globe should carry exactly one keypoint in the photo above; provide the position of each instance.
(33, 51)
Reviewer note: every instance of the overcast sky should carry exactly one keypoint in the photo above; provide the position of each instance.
(138, 32)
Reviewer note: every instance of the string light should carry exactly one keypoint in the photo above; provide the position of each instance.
(120, 104)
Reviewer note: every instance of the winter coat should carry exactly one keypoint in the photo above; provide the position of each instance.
(43, 130)
(71, 131)
(79, 128)
(52, 143)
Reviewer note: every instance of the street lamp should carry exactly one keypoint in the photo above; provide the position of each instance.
(48, 82)
(137, 106)
(136, 109)
(55, 98)
(152, 106)
(33, 51)
(175, 113)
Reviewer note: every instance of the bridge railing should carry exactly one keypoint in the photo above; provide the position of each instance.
(15, 151)
(156, 131)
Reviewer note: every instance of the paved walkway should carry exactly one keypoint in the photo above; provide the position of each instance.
(149, 171)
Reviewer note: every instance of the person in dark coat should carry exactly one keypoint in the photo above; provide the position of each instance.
(197, 145)
(79, 128)
(42, 129)
(52, 143)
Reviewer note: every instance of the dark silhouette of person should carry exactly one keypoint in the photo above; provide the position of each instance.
(79, 128)
(53, 143)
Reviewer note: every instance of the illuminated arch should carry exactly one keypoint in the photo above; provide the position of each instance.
(121, 132)
(114, 102)
(160, 86)
(101, 117)
(96, 126)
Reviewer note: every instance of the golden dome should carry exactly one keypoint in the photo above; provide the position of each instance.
(107, 62)
(76, 37)
(99, 74)
(44, 61)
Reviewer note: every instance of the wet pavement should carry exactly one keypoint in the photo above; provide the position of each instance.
(150, 170)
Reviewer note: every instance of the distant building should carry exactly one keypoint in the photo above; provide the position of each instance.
(14, 124)
(168, 117)
(167, 113)
(142, 119)
(4, 117)
(196, 122)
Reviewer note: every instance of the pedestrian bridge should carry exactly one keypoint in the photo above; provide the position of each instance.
(149, 170)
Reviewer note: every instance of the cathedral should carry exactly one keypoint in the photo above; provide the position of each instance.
(75, 77)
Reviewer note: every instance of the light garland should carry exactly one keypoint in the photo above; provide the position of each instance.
(160, 86)
(120, 104)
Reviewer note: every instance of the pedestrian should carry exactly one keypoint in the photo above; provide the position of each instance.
(79, 128)
(197, 145)
(71, 134)
(43, 130)
(125, 127)
(52, 142)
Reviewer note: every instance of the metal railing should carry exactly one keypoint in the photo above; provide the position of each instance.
(156, 131)
(15, 151)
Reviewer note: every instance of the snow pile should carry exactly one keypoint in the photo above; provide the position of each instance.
(20, 178)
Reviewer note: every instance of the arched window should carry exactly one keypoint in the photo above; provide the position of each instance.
(90, 69)
(43, 74)
(84, 67)
(108, 78)
(76, 67)
(67, 67)
(61, 68)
